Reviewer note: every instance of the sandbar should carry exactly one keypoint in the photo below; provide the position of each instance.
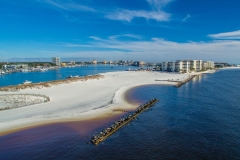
(82, 100)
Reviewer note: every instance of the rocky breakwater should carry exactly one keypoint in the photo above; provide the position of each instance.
(184, 81)
(118, 124)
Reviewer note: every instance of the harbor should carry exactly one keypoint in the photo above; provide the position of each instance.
(123, 121)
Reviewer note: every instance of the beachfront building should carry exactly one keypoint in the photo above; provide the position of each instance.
(196, 65)
(168, 66)
(186, 66)
(207, 65)
(182, 66)
(56, 61)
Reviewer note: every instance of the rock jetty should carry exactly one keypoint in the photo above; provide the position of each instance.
(184, 81)
(118, 124)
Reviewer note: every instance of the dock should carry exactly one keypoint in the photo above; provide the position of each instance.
(179, 84)
(120, 123)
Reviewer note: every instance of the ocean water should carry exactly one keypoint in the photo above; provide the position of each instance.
(57, 74)
(200, 120)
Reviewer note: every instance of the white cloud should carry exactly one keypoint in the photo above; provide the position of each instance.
(158, 50)
(95, 38)
(156, 12)
(158, 4)
(128, 15)
(226, 35)
(184, 19)
(70, 6)
(125, 35)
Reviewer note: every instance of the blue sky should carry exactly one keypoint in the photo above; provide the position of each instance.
(149, 30)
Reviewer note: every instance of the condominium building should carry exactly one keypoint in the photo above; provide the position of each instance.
(168, 66)
(186, 66)
(56, 61)
(182, 66)
(208, 65)
(195, 65)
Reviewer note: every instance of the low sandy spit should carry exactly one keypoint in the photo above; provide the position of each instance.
(81, 100)
(229, 68)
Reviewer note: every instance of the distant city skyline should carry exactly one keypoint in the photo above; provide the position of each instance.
(148, 30)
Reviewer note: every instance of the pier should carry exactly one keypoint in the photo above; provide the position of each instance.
(123, 121)
(184, 81)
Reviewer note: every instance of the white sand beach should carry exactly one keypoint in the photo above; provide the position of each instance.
(82, 100)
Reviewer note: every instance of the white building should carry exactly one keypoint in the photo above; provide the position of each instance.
(186, 66)
(182, 66)
(168, 66)
(56, 60)
(196, 65)
(208, 65)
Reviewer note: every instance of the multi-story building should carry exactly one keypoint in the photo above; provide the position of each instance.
(186, 66)
(182, 66)
(56, 61)
(208, 65)
(168, 66)
(195, 65)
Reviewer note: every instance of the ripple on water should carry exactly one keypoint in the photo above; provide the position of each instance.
(200, 120)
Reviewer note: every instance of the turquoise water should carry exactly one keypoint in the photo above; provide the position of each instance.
(200, 120)
(56, 74)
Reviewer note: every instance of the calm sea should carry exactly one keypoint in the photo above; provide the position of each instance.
(200, 120)
(56, 74)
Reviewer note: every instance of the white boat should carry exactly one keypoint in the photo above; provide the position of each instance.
(43, 69)
(27, 82)
(24, 70)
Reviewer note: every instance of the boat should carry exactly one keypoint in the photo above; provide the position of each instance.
(27, 82)
(43, 69)
(24, 70)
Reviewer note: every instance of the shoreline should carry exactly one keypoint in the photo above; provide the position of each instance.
(109, 95)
